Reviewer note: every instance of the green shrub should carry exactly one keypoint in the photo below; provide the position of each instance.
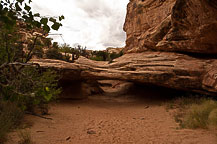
(100, 55)
(22, 82)
(67, 58)
(97, 58)
(105, 56)
(10, 117)
(201, 115)
(116, 55)
(54, 54)
(30, 89)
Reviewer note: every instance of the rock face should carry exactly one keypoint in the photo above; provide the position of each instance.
(172, 70)
(188, 26)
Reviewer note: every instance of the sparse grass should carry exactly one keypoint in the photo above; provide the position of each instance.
(194, 111)
(25, 138)
(201, 115)
(10, 117)
(213, 118)
(183, 102)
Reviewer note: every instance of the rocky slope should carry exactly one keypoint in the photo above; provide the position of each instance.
(188, 26)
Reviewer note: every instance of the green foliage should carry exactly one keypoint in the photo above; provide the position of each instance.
(54, 54)
(78, 51)
(105, 56)
(10, 117)
(31, 88)
(22, 83)
(101, 54)
(115, 55)
(194, 111)
(200, 116)
(97, 58)
(9, 50)
(10, 11)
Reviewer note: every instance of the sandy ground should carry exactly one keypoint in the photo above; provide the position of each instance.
(112, 120)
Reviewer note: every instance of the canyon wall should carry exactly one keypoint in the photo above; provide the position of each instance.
(187, 26)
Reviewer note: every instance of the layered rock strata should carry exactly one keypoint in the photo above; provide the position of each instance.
(188, 26)
(172, 70)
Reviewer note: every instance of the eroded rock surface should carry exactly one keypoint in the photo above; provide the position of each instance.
(165, 69)
(172, 25)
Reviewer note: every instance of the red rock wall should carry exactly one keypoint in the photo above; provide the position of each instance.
(172, 25)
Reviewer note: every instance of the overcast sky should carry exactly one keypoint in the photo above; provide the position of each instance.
(97, 24)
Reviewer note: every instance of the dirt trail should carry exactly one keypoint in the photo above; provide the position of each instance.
(106, 120)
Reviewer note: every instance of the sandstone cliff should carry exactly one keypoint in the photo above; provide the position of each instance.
(188, 26)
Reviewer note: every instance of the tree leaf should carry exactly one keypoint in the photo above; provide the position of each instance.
(46, 28)
(20, 1)
(17, 7)
(37, 24)
(48, 97)
(27, 8)
(37, 15)
(1, 6)
(44, 21)
(61, 18)
(56, 26)
(52, 20)
(47, 89)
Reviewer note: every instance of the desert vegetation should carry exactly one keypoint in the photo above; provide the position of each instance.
(105, 55)
(24, 86)
(67, 53)
(194, 111)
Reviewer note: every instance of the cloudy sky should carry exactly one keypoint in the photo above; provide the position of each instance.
(97, 24)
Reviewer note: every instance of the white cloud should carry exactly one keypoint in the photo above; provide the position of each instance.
(96, 24)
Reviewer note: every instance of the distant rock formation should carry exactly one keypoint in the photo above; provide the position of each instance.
(111, 50)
